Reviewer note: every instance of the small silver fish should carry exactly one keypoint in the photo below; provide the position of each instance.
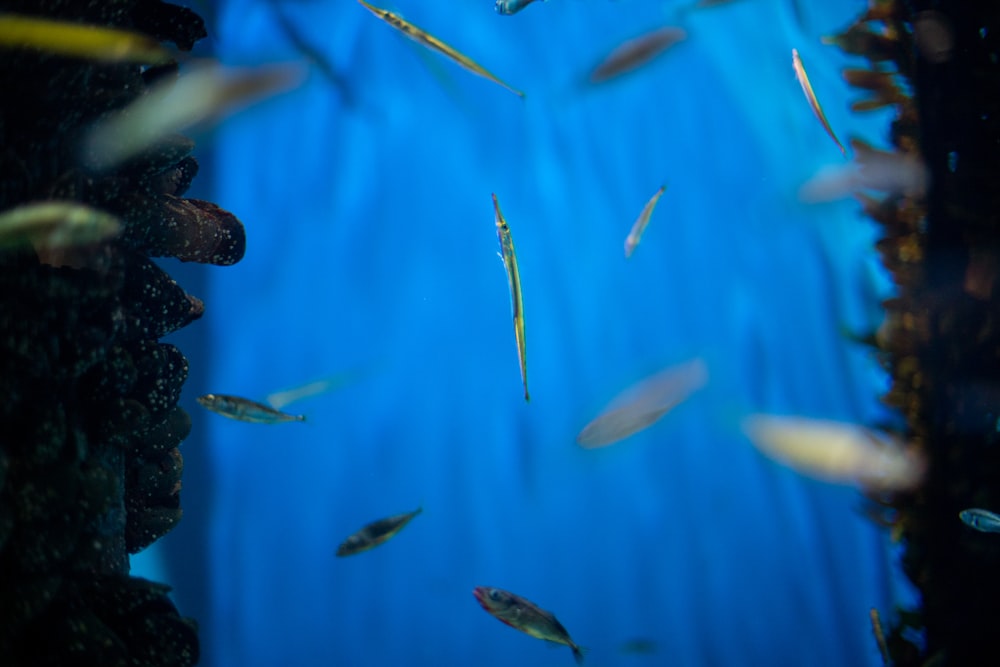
(982, 520)
(509, 7)
(635, 234)
(245, 410)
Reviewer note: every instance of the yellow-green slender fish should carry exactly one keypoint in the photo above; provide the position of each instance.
(375, 533)
(632, 240)
(525, 616)
(514, 281)
(55, 224)
(800, 74)
(245, 410)
(435, 44)
(66, 38)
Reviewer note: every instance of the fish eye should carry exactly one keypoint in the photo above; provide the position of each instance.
(494, 595)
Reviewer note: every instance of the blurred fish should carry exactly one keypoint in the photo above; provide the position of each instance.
(636, 52)
(55, 224)
(800, 74)
(643, 404)
(421, 36)
(280, 399)
(632, 240)
(208, 92)
(982, 520)
(318, 58)
(510, 7)
(883, 649)
(375, 533)
(525, 616)
(638, 646)
(245, 410)
(514, 282)
(837, 452)
(67, 38)
(892, 172)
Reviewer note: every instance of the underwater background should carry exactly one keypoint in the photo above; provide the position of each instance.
(371, 256)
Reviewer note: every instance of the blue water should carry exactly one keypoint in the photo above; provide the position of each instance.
(372, 248)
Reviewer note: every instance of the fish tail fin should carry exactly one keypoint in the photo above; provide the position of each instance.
(578, 652)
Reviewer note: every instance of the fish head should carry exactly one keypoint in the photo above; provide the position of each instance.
(494, 600)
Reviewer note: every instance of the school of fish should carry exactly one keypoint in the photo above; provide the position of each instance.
(842, 453)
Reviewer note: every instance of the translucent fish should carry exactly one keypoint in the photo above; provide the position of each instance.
(526, 616)
(431, 42)
(55, 224)
(78, 40)
(635, 234)
(837, 452)
(375, 533)
(208, 92)
(245, 410)
(807, 89)
(636, 52)
(982, 520)
(643, 404)
(891, 172)
(514, 282)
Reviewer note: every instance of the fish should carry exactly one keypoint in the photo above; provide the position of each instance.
(78, 40)
(435, 44)
(643, 404)
(883, 648)
(526, 616)
(638, 646)
(837, 452)
(375, 533)
(514, 282)
(636, 52)
(982, 520)
(807, 89)
(55, 224)
(511, 7)
(245, 410)
(208, 91)
(635, 234)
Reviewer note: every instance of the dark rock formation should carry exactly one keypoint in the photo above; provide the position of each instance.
(90, 469)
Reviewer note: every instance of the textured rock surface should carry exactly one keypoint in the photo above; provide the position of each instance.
(90, 469)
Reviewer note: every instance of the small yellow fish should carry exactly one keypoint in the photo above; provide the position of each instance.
(883, 648)
(66, 38)
(375, 533)
(245, 410)
(55, 224)
(525, 616)
(514, 281)
(636, 52)
(800, 74)
(632, 240)
(435, 44)
(838, 452)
